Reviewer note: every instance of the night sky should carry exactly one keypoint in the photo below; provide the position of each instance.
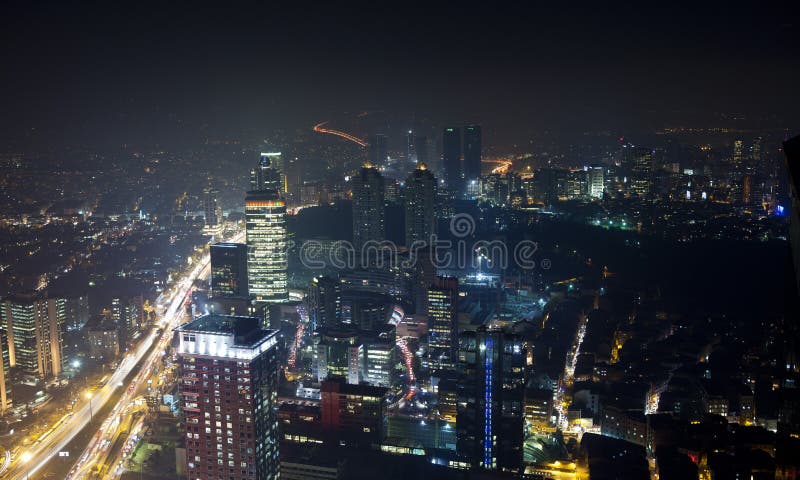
(132, 71)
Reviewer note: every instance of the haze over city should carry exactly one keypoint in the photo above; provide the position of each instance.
(438, 240)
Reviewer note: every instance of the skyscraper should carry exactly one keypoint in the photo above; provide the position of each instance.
(472, 152)
(5, 378)
(268, 174)
(411, 148)
(265, 215)
(378, 149)
(229, 381)
(451, 158)
(229, 270)
(641, 171)
(325, 302)
(596, 179)
(442, 325)
(491, 396)
(420, 205)
(368, 207)
(211, 209)
(33, 327)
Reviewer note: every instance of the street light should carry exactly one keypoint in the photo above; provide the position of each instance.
(89, 396)
(25, 458)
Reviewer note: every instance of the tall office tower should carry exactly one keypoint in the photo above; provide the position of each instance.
(337, 353)
(757, 155)
(472, 152)
(549, 185)
(5, 378)
(211, 209)
(577, 184)
(420, 206)
(33, 327)
(596, 180)
(229, 388)
(368, 207)
(325, 302)
(491, 395)
(411, 148)
(77, 312)
(268, 175)
(738, 154)
(229, 270)
(451, 158)
(378, 149)
(641, 171)
(380, 357)
(442, 325)
(265, 228)
(128, 316)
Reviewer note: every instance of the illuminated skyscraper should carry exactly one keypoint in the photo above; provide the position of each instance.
(442, 325)
(5, 378)
(33, 326)
(596, 179)
(211, 209)
(325, 302)
(368, 207)
(265, 215)
(269, 174)
(472, 152)
(641, 171)
(491, 396)
(229, 381)
(420, 205)
(451, 158)
(228, 270)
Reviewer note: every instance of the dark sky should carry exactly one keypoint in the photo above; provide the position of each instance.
(130, 71)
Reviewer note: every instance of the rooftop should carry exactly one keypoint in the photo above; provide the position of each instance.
(246, 331)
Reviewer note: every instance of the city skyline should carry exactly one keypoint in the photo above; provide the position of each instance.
(447, 240)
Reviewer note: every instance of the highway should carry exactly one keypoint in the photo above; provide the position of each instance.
(32, 460)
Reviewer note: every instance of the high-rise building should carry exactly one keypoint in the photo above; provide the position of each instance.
(229, 387)
(77, 310)
(451, 158)
(5, 378)
(128, 316)
(33, 327)
(641, 168)
(380, 357)
(489, 421)
(596, 179)
(368, 207)
(378, 149)
(325, 302)
(420, 206)
(265, 215)
(472, 152)
(228, 270)
(411, 148)
(337, 353)
(442, 325)
(268, 174)
(211, 209)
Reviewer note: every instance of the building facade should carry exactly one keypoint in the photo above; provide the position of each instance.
(228, 384)
(229, 270)
(267, 262)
